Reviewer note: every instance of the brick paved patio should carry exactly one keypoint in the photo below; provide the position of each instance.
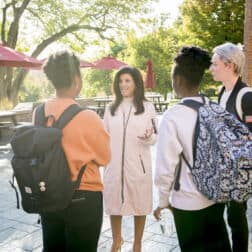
(20, 232)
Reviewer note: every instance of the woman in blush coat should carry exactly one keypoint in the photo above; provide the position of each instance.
(130, 121)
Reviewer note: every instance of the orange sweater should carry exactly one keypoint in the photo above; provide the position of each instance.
(85, 141)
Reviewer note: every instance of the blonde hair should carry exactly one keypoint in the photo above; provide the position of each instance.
(231, 53)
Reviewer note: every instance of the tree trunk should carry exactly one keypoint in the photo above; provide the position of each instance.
(6, 74)
(247, 76)
(8, 90)
(17, 82)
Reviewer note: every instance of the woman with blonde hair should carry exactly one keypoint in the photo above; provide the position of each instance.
(227, 65)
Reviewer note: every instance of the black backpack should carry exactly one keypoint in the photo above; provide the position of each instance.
(40, 165)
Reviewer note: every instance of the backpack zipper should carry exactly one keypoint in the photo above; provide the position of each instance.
(125, 124)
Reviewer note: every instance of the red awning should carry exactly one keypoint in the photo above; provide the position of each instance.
(11, 58)
(84, 63)
(108, 63)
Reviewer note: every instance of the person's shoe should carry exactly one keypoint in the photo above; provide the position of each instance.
(117, 249)
(120, 247)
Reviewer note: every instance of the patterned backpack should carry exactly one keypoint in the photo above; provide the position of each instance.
(222, 154)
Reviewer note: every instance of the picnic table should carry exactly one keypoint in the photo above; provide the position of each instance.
(156, 99)
(8, 116)
(101, 104)
(159, 103)
(103, 101)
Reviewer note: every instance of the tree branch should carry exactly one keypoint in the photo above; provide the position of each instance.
(36, 15)
(71, 29)
(56, 36)
(4, 23)
(102, 36)
(13, 31)
(78, 37)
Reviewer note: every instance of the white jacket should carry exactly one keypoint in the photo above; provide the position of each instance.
(128, 176)
(176, 135)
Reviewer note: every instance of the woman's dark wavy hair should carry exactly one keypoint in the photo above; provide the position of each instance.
(60, 69)
(191, 63)
(138, 93)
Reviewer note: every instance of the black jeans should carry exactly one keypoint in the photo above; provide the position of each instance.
(76, 228)
(237, 220)
(202, 230)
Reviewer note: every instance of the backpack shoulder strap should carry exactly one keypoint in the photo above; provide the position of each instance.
(192, 104)
(178, 171)
(67, 115)
(238, 103)
(40, 115)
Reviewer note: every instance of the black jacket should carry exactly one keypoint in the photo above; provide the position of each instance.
(246, 102)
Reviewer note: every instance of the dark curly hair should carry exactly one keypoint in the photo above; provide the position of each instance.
(60, 69)
(138, 93)
(191, 63)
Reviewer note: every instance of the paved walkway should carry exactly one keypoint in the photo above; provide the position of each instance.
(20, 232)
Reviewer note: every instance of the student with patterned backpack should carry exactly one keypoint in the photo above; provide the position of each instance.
(199, 220)
(227, 66)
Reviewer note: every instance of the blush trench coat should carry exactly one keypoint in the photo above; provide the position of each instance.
(128, 176)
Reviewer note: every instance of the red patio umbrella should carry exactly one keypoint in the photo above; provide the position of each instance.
(150, 79)
(84, 63)
(108, 63)
(11, 58)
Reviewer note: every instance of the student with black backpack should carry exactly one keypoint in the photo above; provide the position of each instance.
(199, 221)
(85, 143)
(227, 65)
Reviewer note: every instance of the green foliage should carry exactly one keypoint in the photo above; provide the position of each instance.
(96, 19)
(159, 46)
(35, 88)
(97, 82)
(208, 23)
(30, 93)
(208, 86)
(74, 25)
(204, 23)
